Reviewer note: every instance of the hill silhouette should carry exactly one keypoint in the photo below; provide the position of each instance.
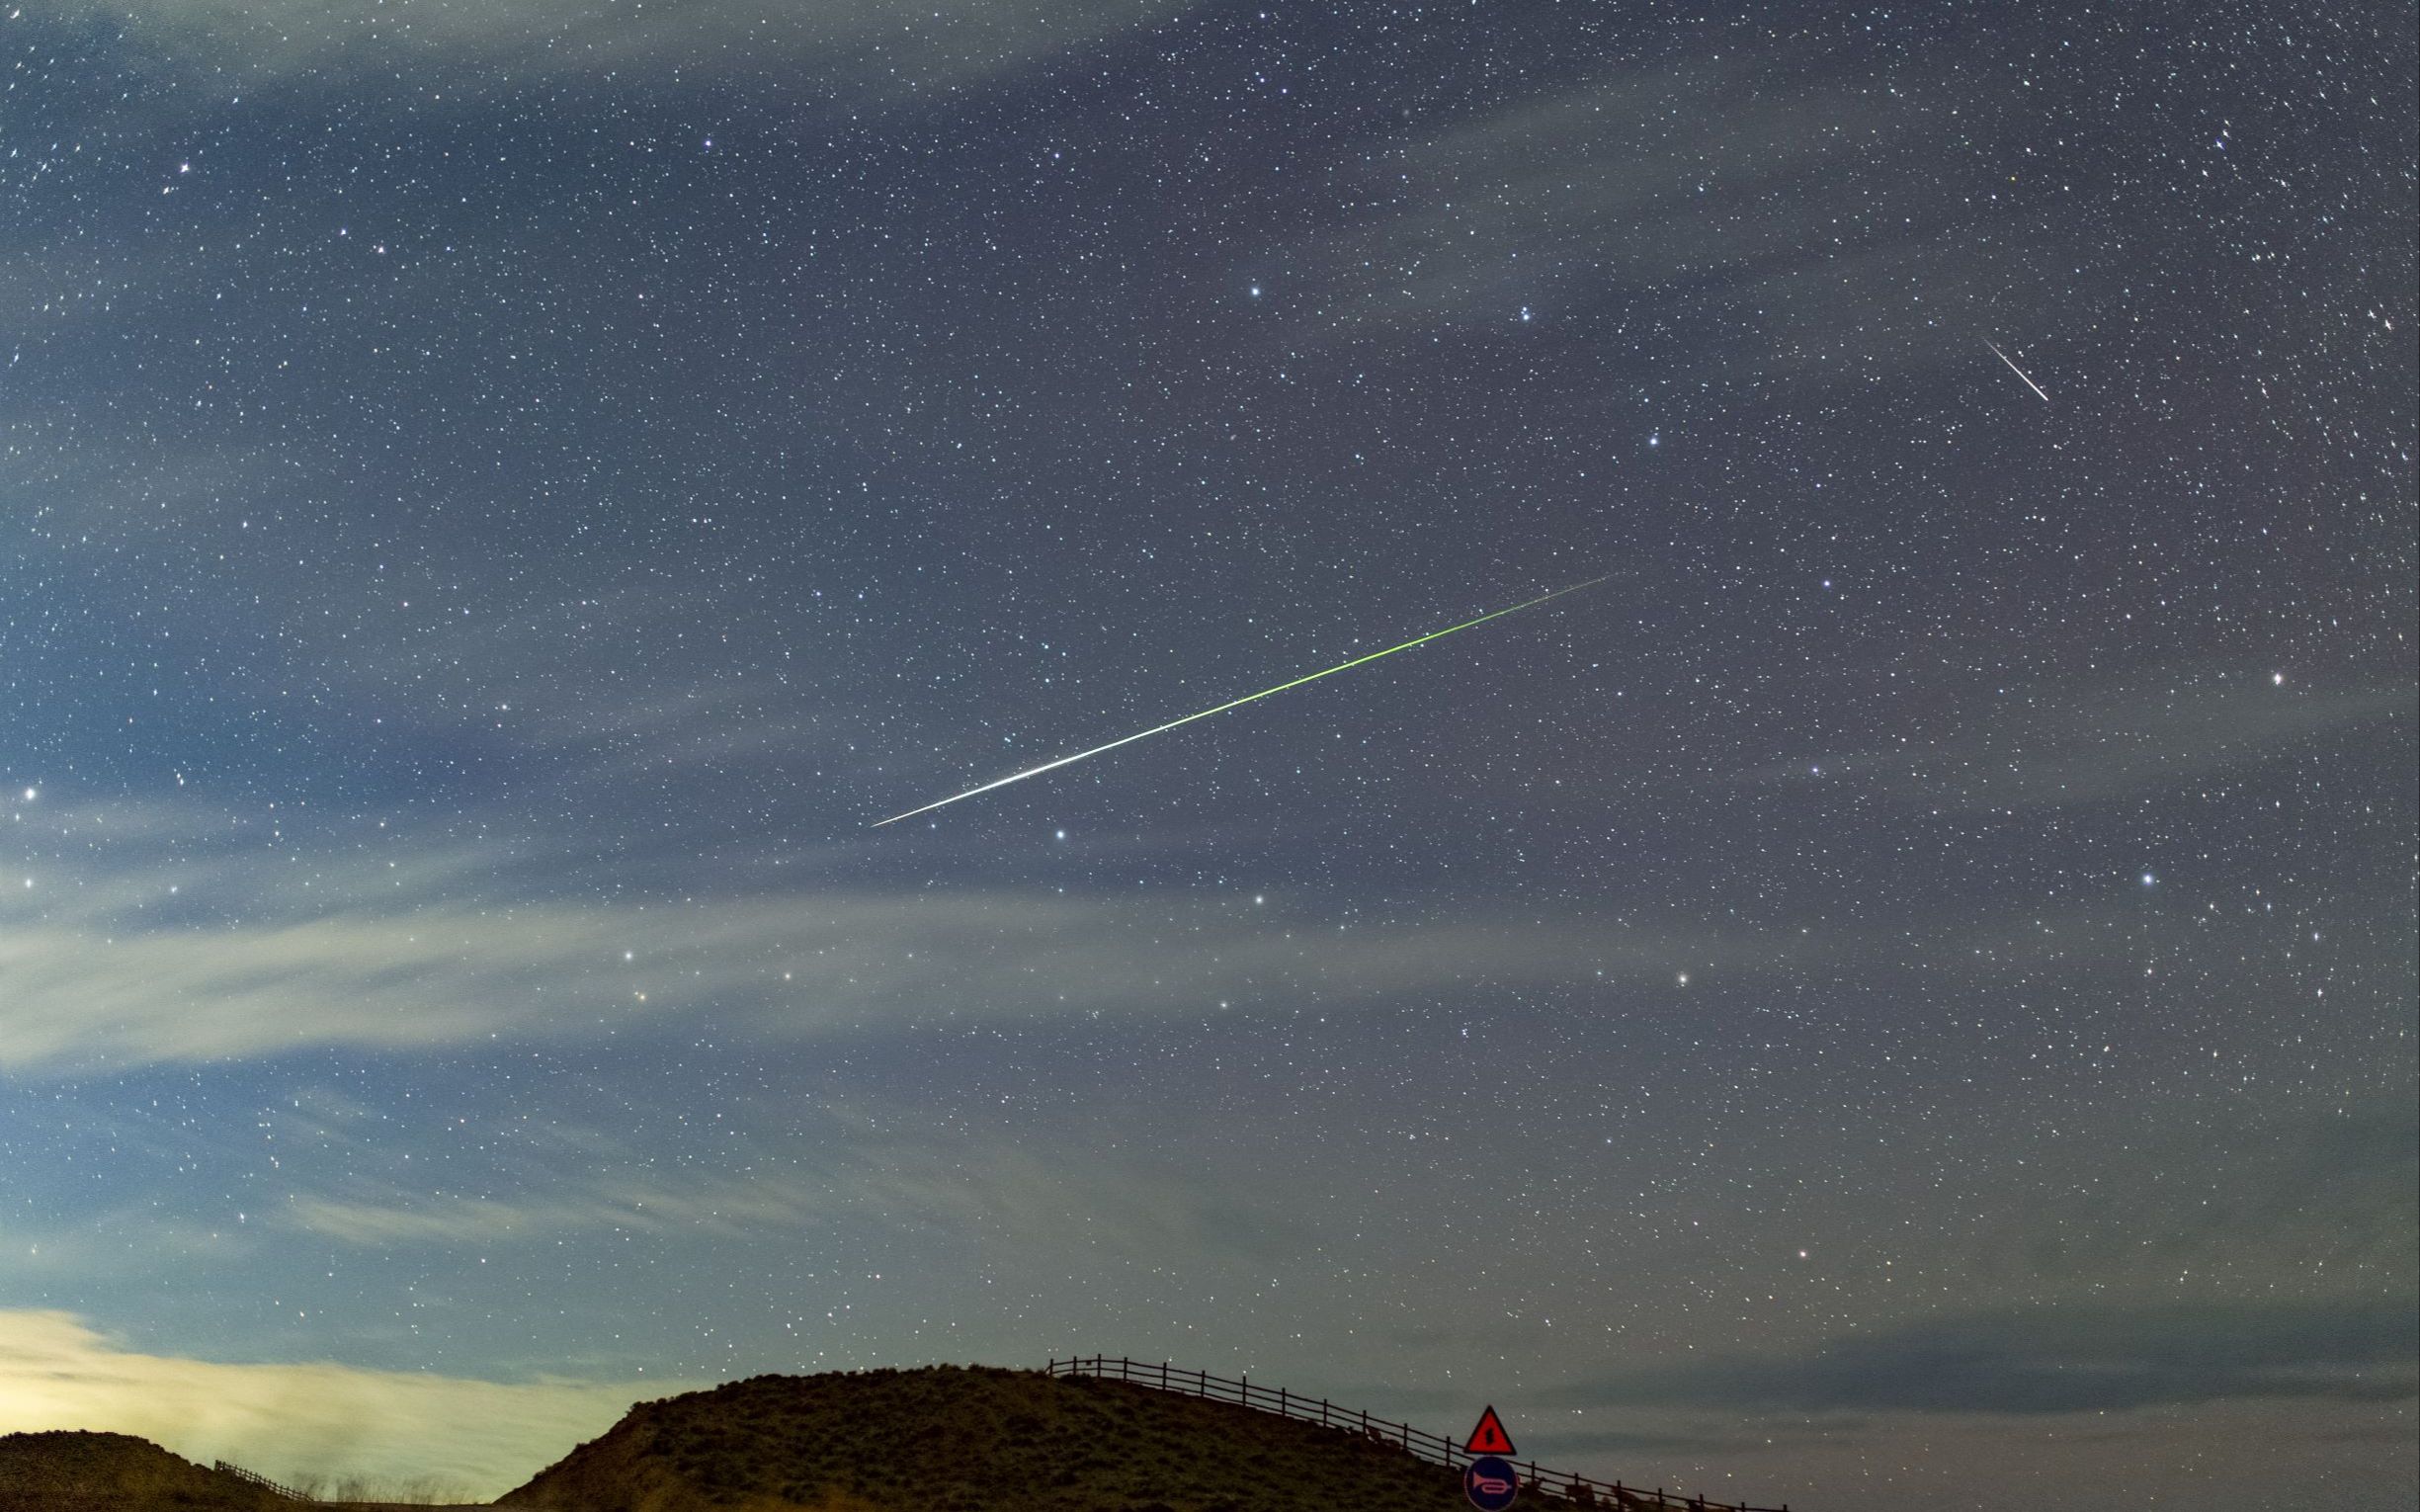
(69, 1471)
(935, 1439)
(78, 1471)
(976, 1439)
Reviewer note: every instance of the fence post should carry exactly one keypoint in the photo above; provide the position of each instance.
(1163, 1375)
(1280, 1401)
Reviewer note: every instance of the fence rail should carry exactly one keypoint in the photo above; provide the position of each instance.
(248, 1477)
(1573, 1490)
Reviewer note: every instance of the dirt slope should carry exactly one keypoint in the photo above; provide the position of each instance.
(978, 1438)
(115, 1472)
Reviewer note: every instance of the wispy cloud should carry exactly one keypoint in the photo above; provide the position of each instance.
(164, 932)
(888, 45)
(724, 1205)
(2068, 1359)
(1034, 1194)
(1750, 215)
(96, 970)
(56, 1372)
(2061, 748)
(1622, 182)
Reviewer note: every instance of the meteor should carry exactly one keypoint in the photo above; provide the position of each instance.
(2013, 367)
(1249, 698)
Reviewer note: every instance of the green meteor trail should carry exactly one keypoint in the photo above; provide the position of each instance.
(1344, 666)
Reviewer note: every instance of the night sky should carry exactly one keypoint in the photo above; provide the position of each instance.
(1902, 996)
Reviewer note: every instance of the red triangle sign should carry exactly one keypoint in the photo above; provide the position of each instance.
(1489, 1437)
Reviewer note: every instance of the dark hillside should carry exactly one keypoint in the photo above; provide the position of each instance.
(939, 1439)
(115, 1472)
(978, 1438)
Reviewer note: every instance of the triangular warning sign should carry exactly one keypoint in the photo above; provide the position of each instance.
(1489, 1437)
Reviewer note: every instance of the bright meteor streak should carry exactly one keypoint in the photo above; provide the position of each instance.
(1156, 729)
(2013, 367)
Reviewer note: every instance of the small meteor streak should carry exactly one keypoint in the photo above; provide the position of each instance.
(2013, 367)
(1249, 698)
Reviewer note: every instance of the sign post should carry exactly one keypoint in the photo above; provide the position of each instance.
(1489, 1482)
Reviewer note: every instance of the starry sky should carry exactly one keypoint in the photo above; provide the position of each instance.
(1901, 996)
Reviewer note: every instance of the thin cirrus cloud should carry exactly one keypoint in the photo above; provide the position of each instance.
(1025, 1199)
(877, 45)
(2111, 743)
(174, 936)
(1760, 215)
(299, 1418)
(2085, 1358)
(103, 967)
(455, 1219)
(1633, 178)
(1621, 181)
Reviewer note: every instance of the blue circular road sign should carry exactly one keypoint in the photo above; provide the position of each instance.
(1491, 1483)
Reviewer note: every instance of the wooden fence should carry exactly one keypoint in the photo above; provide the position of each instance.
(243, 1475)
(1573, 1490)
